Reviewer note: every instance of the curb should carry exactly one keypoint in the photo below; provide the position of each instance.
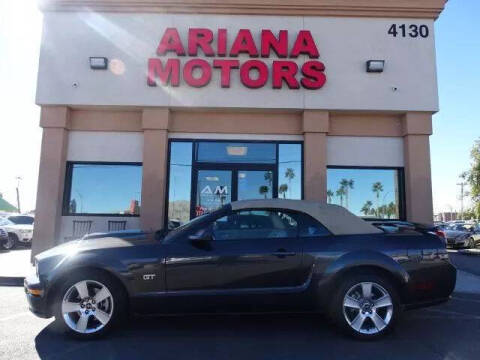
(469, 252)
(11, 281)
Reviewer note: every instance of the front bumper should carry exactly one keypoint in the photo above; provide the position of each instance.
(25, 237)
(36, 298)
(457, 243)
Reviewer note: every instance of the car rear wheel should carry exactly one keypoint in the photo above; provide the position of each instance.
(11, 242)
(89, 305)
(366, 306)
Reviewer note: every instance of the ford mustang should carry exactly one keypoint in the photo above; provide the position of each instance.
(248, 254)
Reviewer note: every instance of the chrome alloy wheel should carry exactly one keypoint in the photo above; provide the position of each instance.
(368, 308)
(87, 306)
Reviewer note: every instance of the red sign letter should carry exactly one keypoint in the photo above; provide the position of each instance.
(222, 42)
(244, 44)
(262, 74)
(200, 38)
(280, 45)
(314, 76)
(171, 42)
(304, 45)
(206, 71)
(284, 70)
(226, 66)
(170, 72)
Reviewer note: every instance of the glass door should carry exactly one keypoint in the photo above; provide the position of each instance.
(217, 186)
(213, 190)
(254, 184)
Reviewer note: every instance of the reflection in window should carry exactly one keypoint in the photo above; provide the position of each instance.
(255, 224)
(230, 152)
(104, 189)
(180, 182)
(290, 171)
(365, 192)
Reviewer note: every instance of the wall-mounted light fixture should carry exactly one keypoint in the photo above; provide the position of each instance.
(375, 66)
(98, 63)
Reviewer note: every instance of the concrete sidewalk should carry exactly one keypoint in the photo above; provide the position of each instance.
(14, 266)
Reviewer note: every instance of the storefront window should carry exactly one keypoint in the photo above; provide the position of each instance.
(180, 183)
(216, 173)
(107, 189)
(366, 192)
(290, 171)
(226, 152)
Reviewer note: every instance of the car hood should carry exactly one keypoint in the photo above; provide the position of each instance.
(76, 246)
(18, 227)
(453, 234)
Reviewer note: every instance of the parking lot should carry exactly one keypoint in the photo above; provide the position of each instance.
(448, 331)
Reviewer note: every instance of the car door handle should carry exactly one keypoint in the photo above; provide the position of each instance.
(281, 253)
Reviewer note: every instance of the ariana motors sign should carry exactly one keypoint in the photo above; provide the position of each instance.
(178, 61)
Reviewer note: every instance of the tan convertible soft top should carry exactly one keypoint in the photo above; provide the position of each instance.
(335, 218)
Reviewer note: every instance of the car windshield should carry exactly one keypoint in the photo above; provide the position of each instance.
(187, 225)
(5, 222)
(21, 220)
(190, 224)
(457, 227)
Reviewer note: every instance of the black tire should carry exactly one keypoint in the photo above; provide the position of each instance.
(11, 243)
(119, 301)
(471, 243)
(346, 285)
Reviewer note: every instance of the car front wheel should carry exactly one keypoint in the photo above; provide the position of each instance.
(11, 242)
(366, 306)
(89, 305)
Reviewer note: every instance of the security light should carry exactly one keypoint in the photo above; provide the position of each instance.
(375, 66)
(98, 63)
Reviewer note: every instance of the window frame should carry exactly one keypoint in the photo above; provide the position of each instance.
(67, 192)
(199, 165)
(401, 187)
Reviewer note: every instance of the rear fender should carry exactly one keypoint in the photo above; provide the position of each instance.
(366, 260)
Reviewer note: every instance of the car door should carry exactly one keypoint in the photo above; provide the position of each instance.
(258, 249)
(192, 264)
(252, 249)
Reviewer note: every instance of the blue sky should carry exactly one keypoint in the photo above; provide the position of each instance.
(456, 126)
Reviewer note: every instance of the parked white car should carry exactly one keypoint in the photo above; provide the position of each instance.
(19, 229)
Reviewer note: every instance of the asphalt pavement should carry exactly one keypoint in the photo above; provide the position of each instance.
(447, 331)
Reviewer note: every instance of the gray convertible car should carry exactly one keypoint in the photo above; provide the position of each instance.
(260, 254)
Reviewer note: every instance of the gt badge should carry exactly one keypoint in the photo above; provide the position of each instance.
(148, 276)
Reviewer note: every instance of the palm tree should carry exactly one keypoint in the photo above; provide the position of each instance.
(341, 193)
(330, 195)
(289, 175)
(282, 189)
(263, 190)
(392, 210)
(347, 184)
(377, 188)
(366, 207)
(382, 211)
(268, 177)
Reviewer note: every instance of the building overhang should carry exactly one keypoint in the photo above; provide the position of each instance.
(426, 9)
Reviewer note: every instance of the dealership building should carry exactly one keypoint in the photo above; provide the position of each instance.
(154, 112)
